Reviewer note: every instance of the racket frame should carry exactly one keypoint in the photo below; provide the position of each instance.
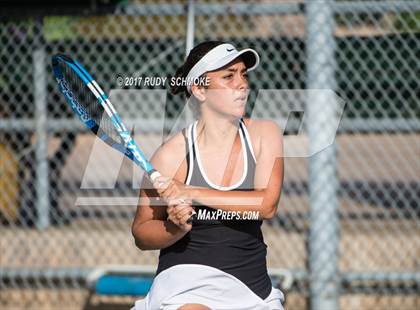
(130, 149)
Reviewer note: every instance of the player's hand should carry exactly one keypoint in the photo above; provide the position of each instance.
(171, 189)
(179, 212)
(161, 183)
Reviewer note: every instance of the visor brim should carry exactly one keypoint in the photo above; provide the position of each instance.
(249, 56)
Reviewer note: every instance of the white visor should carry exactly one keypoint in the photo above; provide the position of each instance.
(219, 57)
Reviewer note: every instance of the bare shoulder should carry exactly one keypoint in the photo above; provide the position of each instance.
(262, 125)
(262, 131)
(170, 155)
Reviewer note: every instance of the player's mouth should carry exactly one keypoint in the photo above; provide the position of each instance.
(241, 99)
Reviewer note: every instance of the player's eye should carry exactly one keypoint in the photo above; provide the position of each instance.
(229, 76)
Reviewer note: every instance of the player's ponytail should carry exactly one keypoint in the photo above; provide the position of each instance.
(178, 88)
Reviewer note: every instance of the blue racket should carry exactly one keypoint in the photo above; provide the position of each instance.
(95, 110)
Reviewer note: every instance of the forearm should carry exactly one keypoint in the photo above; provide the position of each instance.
(255, 200)
(156, 234)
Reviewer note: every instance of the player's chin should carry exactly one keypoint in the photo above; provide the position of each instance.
(238, 110)
(234, 111)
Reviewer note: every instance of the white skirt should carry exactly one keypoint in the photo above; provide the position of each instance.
(200, 284)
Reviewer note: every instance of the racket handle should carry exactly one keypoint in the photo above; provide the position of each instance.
(154, 174)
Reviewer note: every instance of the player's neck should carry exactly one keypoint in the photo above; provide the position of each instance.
(216, 131)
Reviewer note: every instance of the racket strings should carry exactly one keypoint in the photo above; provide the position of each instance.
(88, 101)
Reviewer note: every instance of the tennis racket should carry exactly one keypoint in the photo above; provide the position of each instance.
(93, 107)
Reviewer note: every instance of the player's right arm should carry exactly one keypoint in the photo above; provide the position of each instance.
(151, 228)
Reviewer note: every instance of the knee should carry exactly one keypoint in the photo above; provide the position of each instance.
(193, 307)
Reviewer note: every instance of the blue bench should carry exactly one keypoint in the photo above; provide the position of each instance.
(123, 285)
(119, 280)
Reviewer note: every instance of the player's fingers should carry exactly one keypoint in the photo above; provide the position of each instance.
(177, 212)
(177, 204)
(170, 193)
(162, 179)
(164, 190)
(181, 221)
(161, 182)
(171, 209)
(180, 214)
(172, 202)
(184, 220)
(161, 186)
(173, 192)
(171, 214)
(170, 190)
(181, 209)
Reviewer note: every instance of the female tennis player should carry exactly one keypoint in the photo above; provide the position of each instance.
(228, 169)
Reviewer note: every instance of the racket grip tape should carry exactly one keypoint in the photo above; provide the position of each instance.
(154, 174)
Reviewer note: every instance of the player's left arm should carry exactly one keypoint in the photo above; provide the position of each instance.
(268, 180)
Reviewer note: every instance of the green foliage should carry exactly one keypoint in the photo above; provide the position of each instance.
(408, 22)
(59, 27)
(378, 77)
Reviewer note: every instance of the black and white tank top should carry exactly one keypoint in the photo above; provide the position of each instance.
(234, 246)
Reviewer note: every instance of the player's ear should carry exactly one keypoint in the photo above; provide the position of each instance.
(198, 92)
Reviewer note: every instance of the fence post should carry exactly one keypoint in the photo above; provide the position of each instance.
(323, 234)
(190, 27)
(189, 44)
(41, 151)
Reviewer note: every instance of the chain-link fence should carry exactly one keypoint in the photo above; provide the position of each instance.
(347, 227)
